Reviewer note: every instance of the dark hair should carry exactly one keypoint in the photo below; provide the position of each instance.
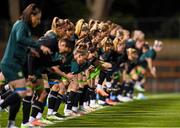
(68, 42)
(92, 49)
(82, 46)
(94, 32)
(146, 46)
(31, 9)
(81, 52)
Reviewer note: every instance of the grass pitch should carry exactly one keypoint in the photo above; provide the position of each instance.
(159, 110)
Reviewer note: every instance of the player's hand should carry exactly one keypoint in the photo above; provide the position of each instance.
(70, 76)
(153, 72)
(45, 49)
(35, 53)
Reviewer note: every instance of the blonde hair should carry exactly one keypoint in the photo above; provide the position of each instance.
(106, 42)
(55, 24)
(103, 26)
(103, 41)
(131, 51)
(138, 35)
(94, 27)
(78, 27)
(91, 23)
(117, 41)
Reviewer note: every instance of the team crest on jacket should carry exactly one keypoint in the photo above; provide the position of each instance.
(29, 33)
(20, 74)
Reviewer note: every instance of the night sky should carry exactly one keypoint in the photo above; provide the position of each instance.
(135, 8)
(157, 18)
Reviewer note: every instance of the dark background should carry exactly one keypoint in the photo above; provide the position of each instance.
(157, 18)
(120, 8)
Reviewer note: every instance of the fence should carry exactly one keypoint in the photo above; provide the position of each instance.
(168, 77)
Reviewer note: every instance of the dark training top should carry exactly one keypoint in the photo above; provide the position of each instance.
(76, 68)
(151, 53)
(17, 47)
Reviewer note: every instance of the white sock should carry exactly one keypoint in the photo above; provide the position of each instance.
(50, 111)
(92, 102)
(75, 109)
(65, 108)
(99, 86)
(31, 119)
(54, 113)
(67, 111)
(101, 102)
(108, 84)
(85, 104)
(119, 96)
(1, 101)
(39, 115)
(7, 87)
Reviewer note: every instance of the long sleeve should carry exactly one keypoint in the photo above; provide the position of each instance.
(23, 37)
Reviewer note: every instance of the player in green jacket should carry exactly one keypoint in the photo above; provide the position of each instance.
(13, 61)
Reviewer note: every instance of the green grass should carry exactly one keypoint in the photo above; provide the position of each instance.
(162, 110)
(4, 117)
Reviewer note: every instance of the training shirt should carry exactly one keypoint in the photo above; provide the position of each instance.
(17, 47)
(151, 53)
